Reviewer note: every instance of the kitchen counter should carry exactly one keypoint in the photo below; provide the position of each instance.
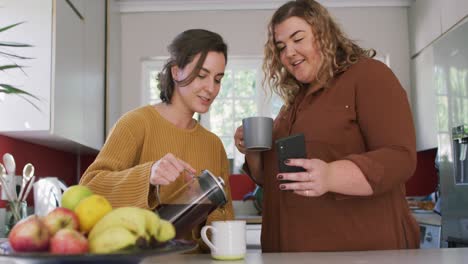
(428, 218)
(250, 219)
(416, 256)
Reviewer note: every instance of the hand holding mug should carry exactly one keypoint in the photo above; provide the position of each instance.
(255, 134)
(239, 140)
(168, 168)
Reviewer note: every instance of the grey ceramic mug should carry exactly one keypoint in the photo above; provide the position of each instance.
(257, 132)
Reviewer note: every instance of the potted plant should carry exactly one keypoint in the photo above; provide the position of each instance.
(11, 64)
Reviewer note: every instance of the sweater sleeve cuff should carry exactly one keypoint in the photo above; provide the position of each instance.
(145, 169)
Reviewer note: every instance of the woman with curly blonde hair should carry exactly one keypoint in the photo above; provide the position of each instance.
(359, 137)
(338, 52)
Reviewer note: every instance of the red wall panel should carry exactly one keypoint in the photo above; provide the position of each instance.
(425, 178)
(47, 162)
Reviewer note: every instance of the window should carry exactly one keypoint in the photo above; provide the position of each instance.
(241, 96)
(150, 70)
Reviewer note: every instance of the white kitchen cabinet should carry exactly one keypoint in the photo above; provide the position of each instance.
(67, 72)
(253, 236)
(429, 19)
(453, 11)
(424, 100)
(424, 23)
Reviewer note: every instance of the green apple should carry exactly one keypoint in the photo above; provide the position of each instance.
(73, 195)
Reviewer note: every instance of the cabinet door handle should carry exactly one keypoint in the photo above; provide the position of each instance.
(429, 237)
(75, 9)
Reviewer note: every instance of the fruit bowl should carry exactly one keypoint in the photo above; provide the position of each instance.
(134, 256)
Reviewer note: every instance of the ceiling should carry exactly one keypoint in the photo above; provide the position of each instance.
(186, 5)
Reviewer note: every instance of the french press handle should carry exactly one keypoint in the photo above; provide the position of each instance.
(218, 180)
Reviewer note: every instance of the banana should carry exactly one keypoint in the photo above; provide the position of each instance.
(166, 231)
(152, 222)
(131, 218)
(112, 239)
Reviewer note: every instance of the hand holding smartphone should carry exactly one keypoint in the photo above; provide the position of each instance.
(291, 147)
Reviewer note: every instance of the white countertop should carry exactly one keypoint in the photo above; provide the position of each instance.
(416, 256)
(250, 219)
(428, 218)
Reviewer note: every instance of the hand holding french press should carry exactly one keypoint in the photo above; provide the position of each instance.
(168, 168)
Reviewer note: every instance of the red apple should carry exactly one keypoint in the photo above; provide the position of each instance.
(68, 241)
(61, 218)
(29, 235)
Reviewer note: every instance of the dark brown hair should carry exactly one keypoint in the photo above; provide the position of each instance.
(337, 51)
(183, 50)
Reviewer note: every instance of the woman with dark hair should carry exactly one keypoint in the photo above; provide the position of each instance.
(161, 145)
(359, 137)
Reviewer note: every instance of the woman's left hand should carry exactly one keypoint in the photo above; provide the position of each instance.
(313, 182)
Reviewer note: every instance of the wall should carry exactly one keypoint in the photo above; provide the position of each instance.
(148, 34)
(113, 64)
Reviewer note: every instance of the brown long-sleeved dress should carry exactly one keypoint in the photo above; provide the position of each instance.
(364, 117)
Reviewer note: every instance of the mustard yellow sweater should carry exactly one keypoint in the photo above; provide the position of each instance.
(121, 170)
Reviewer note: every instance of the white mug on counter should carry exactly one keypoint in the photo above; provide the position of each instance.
(228, 239)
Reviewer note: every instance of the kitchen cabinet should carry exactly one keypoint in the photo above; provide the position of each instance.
(424, 100)
(453, 11)
(253, 236)
(430, 228)
(424, 23)
(429, 19)
(66, 73)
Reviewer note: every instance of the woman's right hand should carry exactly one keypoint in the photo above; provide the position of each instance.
(239, 140)
(168, 168)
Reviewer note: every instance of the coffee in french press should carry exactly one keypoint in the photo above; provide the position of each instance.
(190, 205)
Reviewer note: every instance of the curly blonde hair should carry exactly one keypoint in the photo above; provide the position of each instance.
(337, 51)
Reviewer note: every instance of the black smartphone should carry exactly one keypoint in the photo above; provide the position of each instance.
(291, 147)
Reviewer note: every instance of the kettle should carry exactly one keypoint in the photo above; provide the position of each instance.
(47, 195)
(190, 205)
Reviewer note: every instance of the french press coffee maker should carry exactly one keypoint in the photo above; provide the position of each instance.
(190, 205)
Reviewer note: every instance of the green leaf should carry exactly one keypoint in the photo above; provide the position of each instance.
(9, 89)
(15, 44)
(11, 26)
(29, 101)
(11, 66)
(15, 56)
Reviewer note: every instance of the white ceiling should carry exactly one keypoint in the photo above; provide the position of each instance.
(185, 5)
